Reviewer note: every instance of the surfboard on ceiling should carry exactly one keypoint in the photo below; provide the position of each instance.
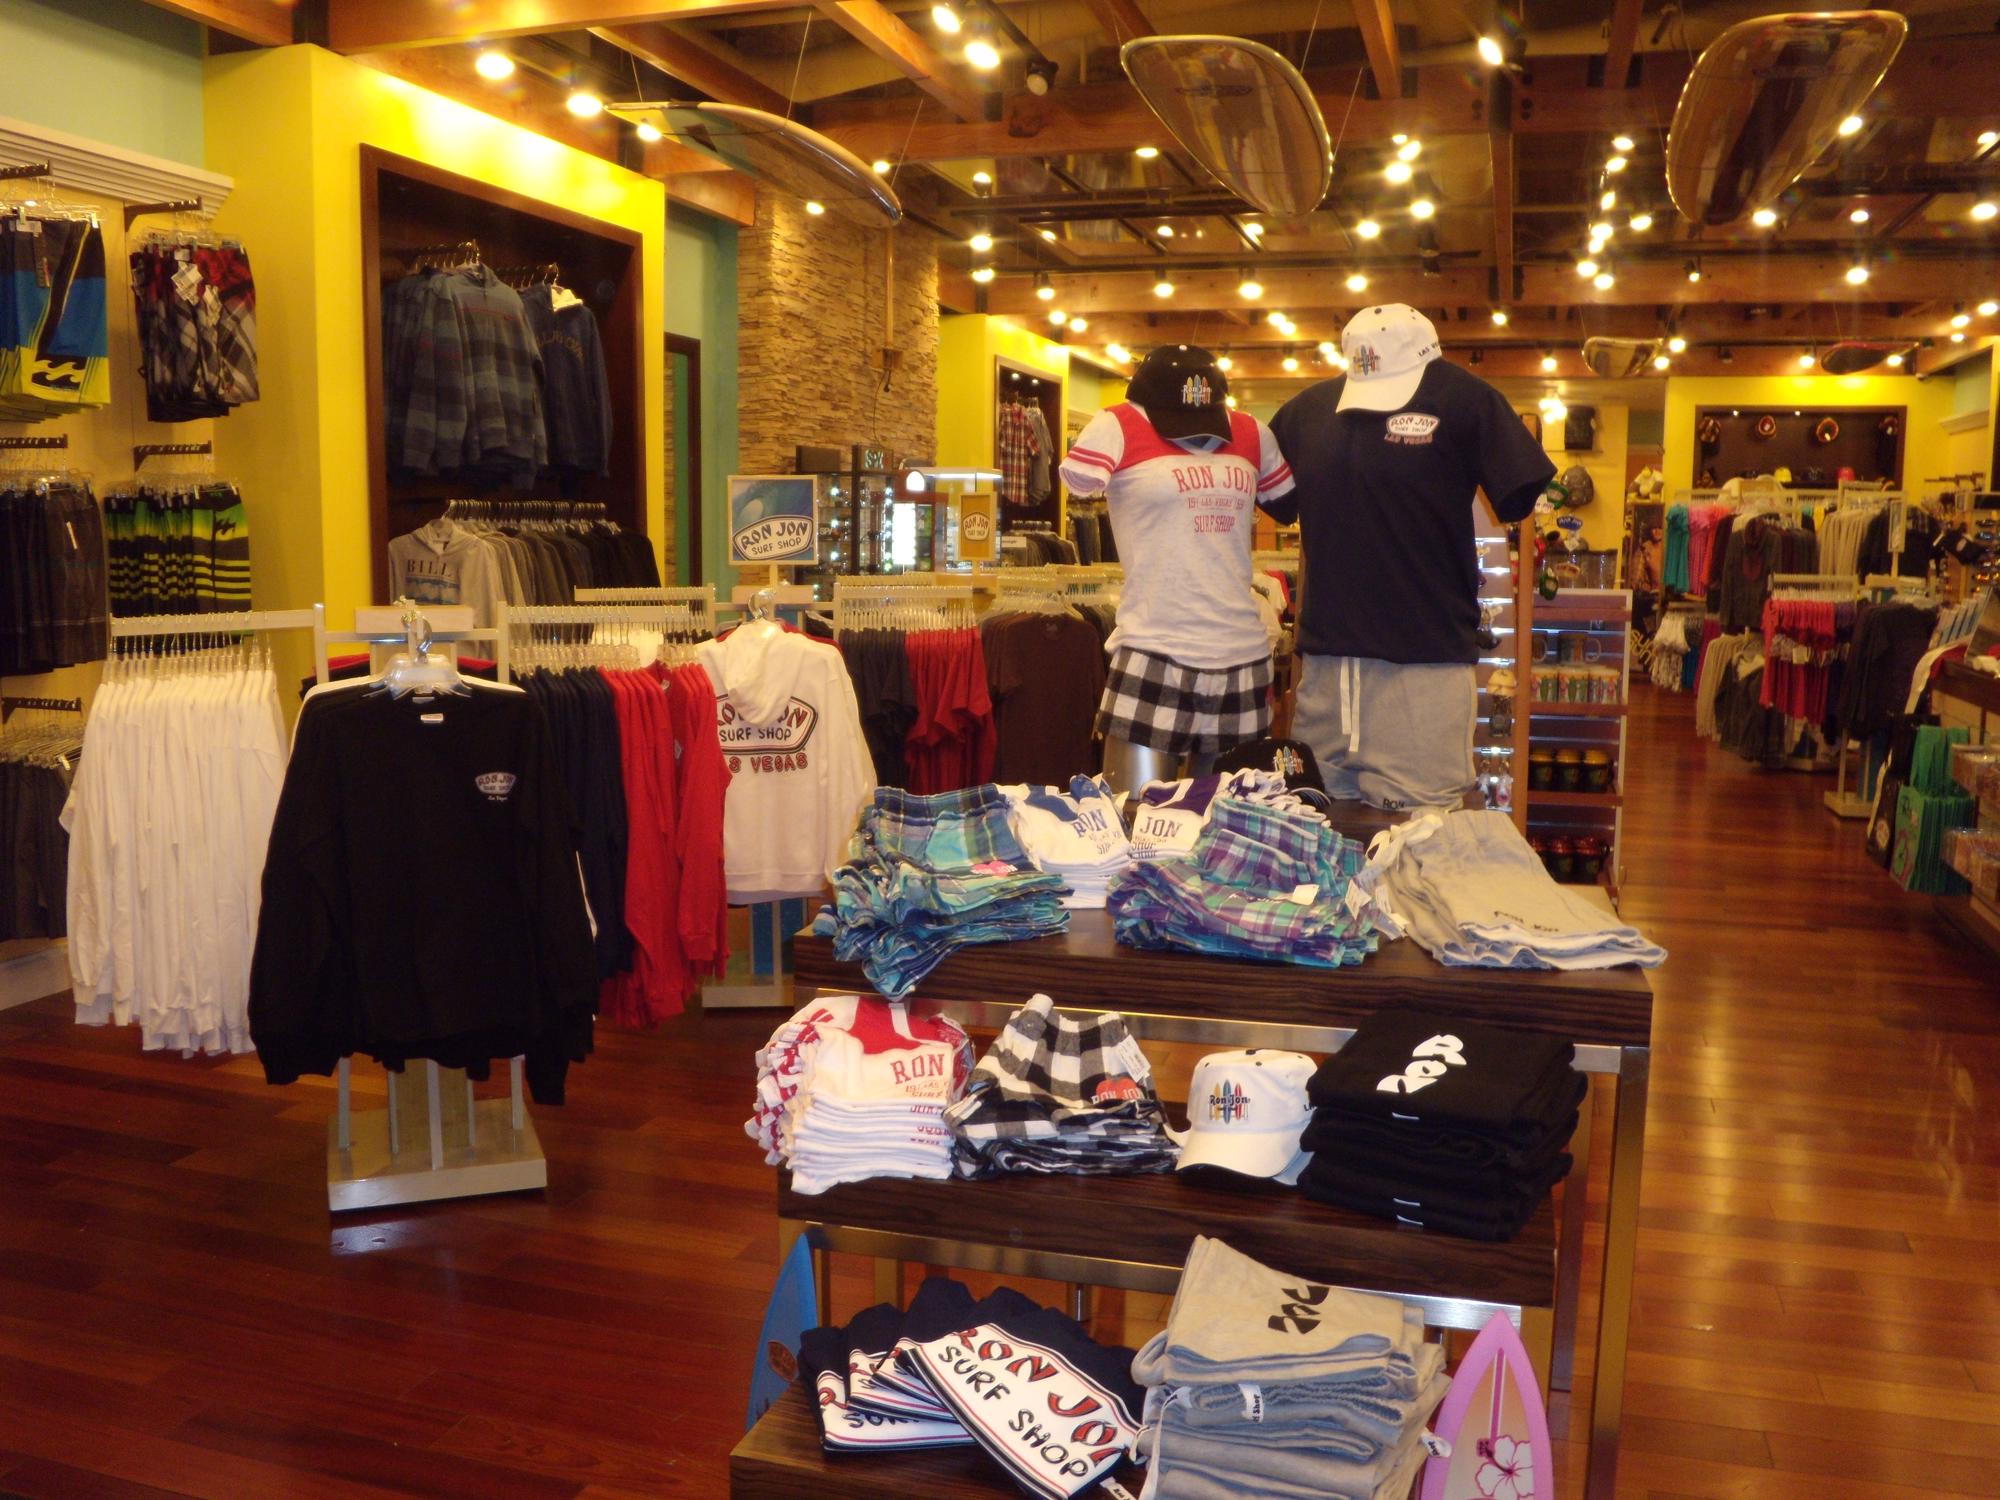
(1494, 1421)
(1242, 111)
(1619, 358)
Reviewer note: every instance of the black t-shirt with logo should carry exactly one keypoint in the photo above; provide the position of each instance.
(1384, 504)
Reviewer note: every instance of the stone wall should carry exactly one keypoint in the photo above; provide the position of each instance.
(810, 313)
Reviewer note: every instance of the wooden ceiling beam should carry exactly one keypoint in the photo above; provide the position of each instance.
(1376, 21)
(1528, 328)
(1500, 145)
(673, 54)
(883, 33)
(1621, 41)
(1258, 374)
(377, 25)
(1120, 20)
(268, 23)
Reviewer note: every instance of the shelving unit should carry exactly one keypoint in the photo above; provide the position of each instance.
(1603, 616)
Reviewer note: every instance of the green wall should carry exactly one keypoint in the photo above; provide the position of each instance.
(116, 71)
(701, 304)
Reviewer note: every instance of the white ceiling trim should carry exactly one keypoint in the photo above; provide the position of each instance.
(88, 166)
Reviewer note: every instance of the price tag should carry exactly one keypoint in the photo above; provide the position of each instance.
(1303, 895)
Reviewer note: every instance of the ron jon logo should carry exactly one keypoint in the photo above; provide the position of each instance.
(1413, 426)
(497, 785)
(775, 539)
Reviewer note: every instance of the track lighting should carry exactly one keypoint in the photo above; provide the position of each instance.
(1895, 361)
(1858, 216)
(880, 167)
(1044, 290)
(1764, 218)
(1367, 229)
(1490, 52)
(1327, 351)
(981, 243)
(1607, 200)
(1290, 363)
(1725, 355)
(1621, 143)
(1058, 317)
(1422, 208)
(493, 66)
(584, 104)
(648, 132)
(1164, 231)
(983, 274)
(1146, 153)
(814, 207)
(1357, 282)
(1079, 325)
(1586, 269)
(1118, 352)
(1049, 235)
(1041, 75)
(1615, 165)
(982, 179)
(1409, 149)
(1162, 288)
(1693, 269)
(1398, 173)
(1276, 318)
(1958, 338)
(1988, 309)
(1249, 288)
(1989, 138)
(982, 54)
(1499, 317)
(1600, 231)
(1677, 345)
(946, 20)
(1857, 274)
(1604, 281)
(1959, 317)
(1661, 362)
(1808, 360)
(1254, 230)
(1224, 363)
(1851, 126)
(1641, 222)
(1548, 364)
(1985, 209)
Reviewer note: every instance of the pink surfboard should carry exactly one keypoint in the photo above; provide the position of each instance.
(1494, 1420)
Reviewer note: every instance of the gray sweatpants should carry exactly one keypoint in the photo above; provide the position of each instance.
(1395, 735)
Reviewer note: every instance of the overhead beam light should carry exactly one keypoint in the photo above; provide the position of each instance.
(1988, 309)
(982, 178)
(1764, 218)
(1586, 269)
(1661, 362)
(1600, 231)
(1367, 229)
(1118, 352)
(982, 54)
(1044, 290)
(980, 243)
(983, 274)
(1858, 216)
(1677, 345)
(1857, 274)
(1422, 208)
(1808, 360)
(1895, 361)
(1490, 52)
(1079, 325)
(584, 104)
(1499, 317)
(1146, 153)
(1621, 143)
(1224, 363)
(1290, 363)
(1398, 172)
(1249, 288)
(1615, 165)
(1604, 281)
(1693, 269)
(1641, 223)
(1049, 235)
(815, 207)
(946, 20)
(1851, 125)
(1165, 231)
(1254, 230)
(1162, 288)
(648, 132)
(1409, 150)
(1548, 364)
(1607, 201)
(1058, 317)
(494, 66)
(1357, 282)
(1985, 209)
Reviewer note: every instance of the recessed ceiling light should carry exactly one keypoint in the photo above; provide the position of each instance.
(648, 132)
(982, 179)
(1615, 165)
(983, 274)
(982, 54)
(1641, 223)
(1621, 143)
(1398, 172)
(1422, 208)
(1858, 216)
(1224, 363)
(1985, 209)
(1146, 153)
(1603, 281)
(1367, 229)
(1409, 150)
(1490, 53)
(493, 66)
(1677, 345)
(1079, 325)
(1586, 269)
(946, 19)
(1851, 125)
(815, 207)
(584, 104)
(1548, 364)
(1857, 274)
(980, 243)
(880, 167)
(1764, 218)
(1357, 282)
(1807, 361)
(1499, 317)
(1290, 363)
(1661, 362)
(1895, 361)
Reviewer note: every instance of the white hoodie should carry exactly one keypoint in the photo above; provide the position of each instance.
(799, 769)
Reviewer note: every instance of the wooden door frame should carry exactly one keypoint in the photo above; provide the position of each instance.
(690, 350)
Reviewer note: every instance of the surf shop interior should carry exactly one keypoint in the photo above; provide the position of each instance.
(882, 749)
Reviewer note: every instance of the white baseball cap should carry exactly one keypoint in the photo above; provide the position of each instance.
(1246, 1111)
(1386, 349)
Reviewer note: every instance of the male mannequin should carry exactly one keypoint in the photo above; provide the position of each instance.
(1388, 459)
(1190, 661)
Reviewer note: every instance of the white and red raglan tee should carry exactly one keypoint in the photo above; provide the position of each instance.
(1183, 523)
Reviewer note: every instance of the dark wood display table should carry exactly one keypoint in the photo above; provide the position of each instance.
(1070, 1230)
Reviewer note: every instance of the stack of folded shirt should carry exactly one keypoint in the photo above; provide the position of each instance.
(1468, 888)
(1077, 834)
(1452, 1126)
(1260, 883)
(1061, 1094)
(876, 1024)
(1054, 1409)
(927, 875)
(1168, 816)
(1266, 1385)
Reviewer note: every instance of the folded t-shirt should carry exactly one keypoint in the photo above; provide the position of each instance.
(1414, 1066)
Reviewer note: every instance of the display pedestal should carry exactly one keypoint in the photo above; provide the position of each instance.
(435, 1140)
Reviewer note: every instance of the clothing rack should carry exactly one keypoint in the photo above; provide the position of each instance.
(238, 622)
(46, 705)
(443, 257)
(26, 169)
(59, 440)
(670, 619)
(143, 451)
(1816, 583)
(695, 601)
(137, 211)
(521, 276)
(886, 603)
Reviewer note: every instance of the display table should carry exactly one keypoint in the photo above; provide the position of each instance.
(781, 1459)
(1227, 1003)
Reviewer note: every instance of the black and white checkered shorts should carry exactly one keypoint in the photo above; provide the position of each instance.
(1158, 703)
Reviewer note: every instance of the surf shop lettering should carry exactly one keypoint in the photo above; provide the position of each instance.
(1428, 1063)
(1021, 1396)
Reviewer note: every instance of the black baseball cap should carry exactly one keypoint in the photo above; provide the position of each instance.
(1182, 392)
(1291, 759)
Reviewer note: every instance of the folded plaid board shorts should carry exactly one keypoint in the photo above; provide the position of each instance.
(1156, 702)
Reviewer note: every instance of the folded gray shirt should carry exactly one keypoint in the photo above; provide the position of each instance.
(1335, 1417)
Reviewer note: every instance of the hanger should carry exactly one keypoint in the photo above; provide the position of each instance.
(415, 669)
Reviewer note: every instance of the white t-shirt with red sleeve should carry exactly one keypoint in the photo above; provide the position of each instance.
(1183, 521)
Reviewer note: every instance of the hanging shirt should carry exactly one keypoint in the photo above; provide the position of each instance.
(790, 730)
(1184, 523)
(443, 563)
(1384, 505)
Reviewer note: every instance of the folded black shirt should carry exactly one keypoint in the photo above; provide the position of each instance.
(1419, 1067)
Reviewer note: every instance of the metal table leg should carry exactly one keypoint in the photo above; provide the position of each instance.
(1569, 1252)
(1621, 1243)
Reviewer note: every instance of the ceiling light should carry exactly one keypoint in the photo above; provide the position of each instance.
(1422, 208)
(1600, 231)
(1079, 325)
(1043, 290)
(1254, 230)
(1165, 231)
(1290, 364)
(1858, 216)
(1041, 75)
(1895, 361)
(1327, 350)
(1621, 143)
(1677, 345)
(1607, 200)
(1555, 411)
(1548, 364)
(1490, 53)
(815, 207)
(1958, 338)
(1230, 402)
(648, 132)
(1726, 355)
(1857, 274)
(1049, 235)
(1693, 271)
(983, 274)
(1356, 282)
(1224, 363)
(1641, 223)
(1989, 137)
(1146, 153)
(1275, 317)
(1586, 269)
(1807, 361)
(946, 19)
(1985, 209)
(1398, 172)
(1399, 137)
(1058, 317)
(982, 179)
(1959, 319)
(1615, 165)
(1851, 125)
(584, 104)
(493, 66)
(1661, 362)
(980, 243)
(982, 54)
(1409, 150)
(1249, 288)
(1988, 309)
(1499, 317)
(1162, 288)
(880, 167)
(1764, 218)
(1603, 281)
(1118, 352)
(1367, 229)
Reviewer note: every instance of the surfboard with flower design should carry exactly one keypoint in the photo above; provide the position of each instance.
(1494, 1420)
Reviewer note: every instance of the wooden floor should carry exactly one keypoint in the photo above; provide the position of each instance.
(1819, 1288)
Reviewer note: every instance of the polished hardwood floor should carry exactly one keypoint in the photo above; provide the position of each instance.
(1819, 1274)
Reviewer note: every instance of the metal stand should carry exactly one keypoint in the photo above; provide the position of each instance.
(435, 1140)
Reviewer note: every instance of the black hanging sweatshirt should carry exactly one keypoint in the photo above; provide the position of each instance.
(422, 897)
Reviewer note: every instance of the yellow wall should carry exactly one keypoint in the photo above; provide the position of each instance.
(1926, 447)
(1604, 518)
(288, 125)
(968, 346)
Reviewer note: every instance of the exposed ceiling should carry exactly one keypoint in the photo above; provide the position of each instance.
(1513, 160)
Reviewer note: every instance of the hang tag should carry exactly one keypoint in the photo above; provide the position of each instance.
(1303, 895)
(1356, 899)
(1435, 1446)
(74, 544)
